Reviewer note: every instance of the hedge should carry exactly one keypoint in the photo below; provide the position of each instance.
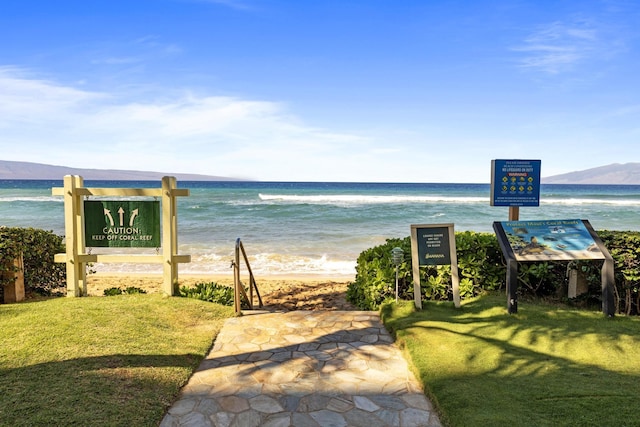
(481, 267)
(38, 247)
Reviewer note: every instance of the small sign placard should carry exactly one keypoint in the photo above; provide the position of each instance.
(122, 223)
(434, 244)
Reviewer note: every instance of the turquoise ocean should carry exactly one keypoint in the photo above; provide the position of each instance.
(302, 228)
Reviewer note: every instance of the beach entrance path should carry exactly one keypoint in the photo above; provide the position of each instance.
(303, 368)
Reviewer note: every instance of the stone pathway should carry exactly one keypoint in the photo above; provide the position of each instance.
(303, 369)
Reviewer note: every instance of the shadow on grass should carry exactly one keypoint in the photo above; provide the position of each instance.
(545, 366)
(114, 390)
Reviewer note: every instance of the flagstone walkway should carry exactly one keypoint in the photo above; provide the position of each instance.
(303, 369)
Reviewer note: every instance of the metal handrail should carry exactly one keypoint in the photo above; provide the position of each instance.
(238, 287)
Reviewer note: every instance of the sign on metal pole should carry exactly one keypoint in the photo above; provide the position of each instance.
(434, 244)
(122, 223)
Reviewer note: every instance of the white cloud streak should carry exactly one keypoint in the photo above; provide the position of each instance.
(558, 47)
(226, 136)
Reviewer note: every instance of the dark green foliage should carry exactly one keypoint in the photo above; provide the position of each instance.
(41, 274)
(109, 292)
(212, 292)
(375, 275)
(481, 267)
(625, 250)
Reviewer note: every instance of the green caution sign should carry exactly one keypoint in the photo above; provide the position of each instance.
(122, 223)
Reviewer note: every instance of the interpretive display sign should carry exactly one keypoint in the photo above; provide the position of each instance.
(552, 240)
(515, 182)
(434, 244)
(122, 223)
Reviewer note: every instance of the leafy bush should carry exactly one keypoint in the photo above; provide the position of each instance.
(128, 290)
(38, 247)
(481, 267)
(212, 292)
(625, 250)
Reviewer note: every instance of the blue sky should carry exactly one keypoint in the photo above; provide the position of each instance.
(311, 90)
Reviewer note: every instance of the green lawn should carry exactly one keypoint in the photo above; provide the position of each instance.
(108, 361)
(545, 366)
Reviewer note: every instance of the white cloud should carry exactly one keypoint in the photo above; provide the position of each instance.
(559, 46)
(56, 124)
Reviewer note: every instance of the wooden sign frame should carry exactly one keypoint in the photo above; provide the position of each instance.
(76, 256)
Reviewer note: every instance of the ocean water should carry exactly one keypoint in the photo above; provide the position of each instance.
(318, 228)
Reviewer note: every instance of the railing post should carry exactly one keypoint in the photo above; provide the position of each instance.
(236, 279)
(238, 289)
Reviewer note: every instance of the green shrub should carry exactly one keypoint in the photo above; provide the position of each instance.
(375, 275)
(38, 247)
(109, 292)
(481, 267)
(212, 292)
(624, 247)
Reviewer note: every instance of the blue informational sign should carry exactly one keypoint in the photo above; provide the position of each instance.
(515, 183)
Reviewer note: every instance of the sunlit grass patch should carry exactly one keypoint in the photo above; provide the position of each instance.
(100, 361)
(546, 365)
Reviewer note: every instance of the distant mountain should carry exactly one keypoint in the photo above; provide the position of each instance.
(27, 170)
(627, 173)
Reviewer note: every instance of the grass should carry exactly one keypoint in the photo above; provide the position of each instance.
(545, 366)
(112, 361)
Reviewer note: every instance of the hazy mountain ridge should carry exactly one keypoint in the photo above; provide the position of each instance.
(627, 173)
(28, 170)
(616, 173)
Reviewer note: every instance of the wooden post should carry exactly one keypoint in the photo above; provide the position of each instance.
(14, 291)
(608, 283)
(169, 236)
(74, 239)
(514, 213)
(512, 286)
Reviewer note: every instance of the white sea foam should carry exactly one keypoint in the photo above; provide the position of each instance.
(368, 199)
(10, 199)
(578, 202)
(261, 264)
(345, 199)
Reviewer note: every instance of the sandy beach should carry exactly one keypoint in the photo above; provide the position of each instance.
(278, 292)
